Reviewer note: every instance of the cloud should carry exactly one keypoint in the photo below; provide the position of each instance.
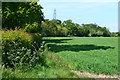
(79, 0)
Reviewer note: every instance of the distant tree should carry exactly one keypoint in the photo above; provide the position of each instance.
(56, 21)
(72, 27)
(55, 27)
(83, 31)
(106, 32)
(96, 30)
(112, 34)
(118, 34)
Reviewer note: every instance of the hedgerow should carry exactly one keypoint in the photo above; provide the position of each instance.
(21, 48)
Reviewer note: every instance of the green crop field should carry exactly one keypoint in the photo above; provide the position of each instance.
(97, 55)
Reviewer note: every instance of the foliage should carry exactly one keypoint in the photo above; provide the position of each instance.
(73, 28)
(118, 34)
(53, 28)
(88, 54)
(96, 30)
(32, 28)
(18, 14)
(20, 48)
(115, 34)
(56, 27)
(55, 66)
(83, 31)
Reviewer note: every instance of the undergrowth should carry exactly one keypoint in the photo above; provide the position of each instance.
(55, 67)
(31, 60)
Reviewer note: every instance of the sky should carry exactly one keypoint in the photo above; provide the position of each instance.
(102, 12)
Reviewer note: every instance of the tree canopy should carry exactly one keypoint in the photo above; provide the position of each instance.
(56, 27)
(18, 14)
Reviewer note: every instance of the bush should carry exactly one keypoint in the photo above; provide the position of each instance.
(33, 28)
(37, 40)
(18, 48)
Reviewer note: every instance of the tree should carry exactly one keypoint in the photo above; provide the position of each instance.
(56, 21)
(72, 27)
(96, 30)
(106, 32)
(18, 14)
(49, 28)
(118, 33)
(53, 28)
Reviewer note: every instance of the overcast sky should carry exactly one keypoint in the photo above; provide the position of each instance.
(102, 12)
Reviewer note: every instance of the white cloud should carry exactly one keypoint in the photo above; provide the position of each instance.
(79, 0)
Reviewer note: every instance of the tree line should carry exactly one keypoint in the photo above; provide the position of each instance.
(29, 17)
(56, 27)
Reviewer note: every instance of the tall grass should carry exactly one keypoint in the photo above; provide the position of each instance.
(25, 56)
(55, 67)
(20, 51)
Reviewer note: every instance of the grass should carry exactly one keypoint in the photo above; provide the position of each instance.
(54, 67)
(88, 54)
(97, 55)
(24, 60)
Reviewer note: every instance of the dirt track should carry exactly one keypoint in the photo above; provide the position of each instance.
(94, 75)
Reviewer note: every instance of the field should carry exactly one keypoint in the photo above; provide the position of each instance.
(97, 55)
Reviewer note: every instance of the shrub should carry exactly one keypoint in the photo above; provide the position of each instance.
(37, 39)
(18, 48)
(33, 28)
